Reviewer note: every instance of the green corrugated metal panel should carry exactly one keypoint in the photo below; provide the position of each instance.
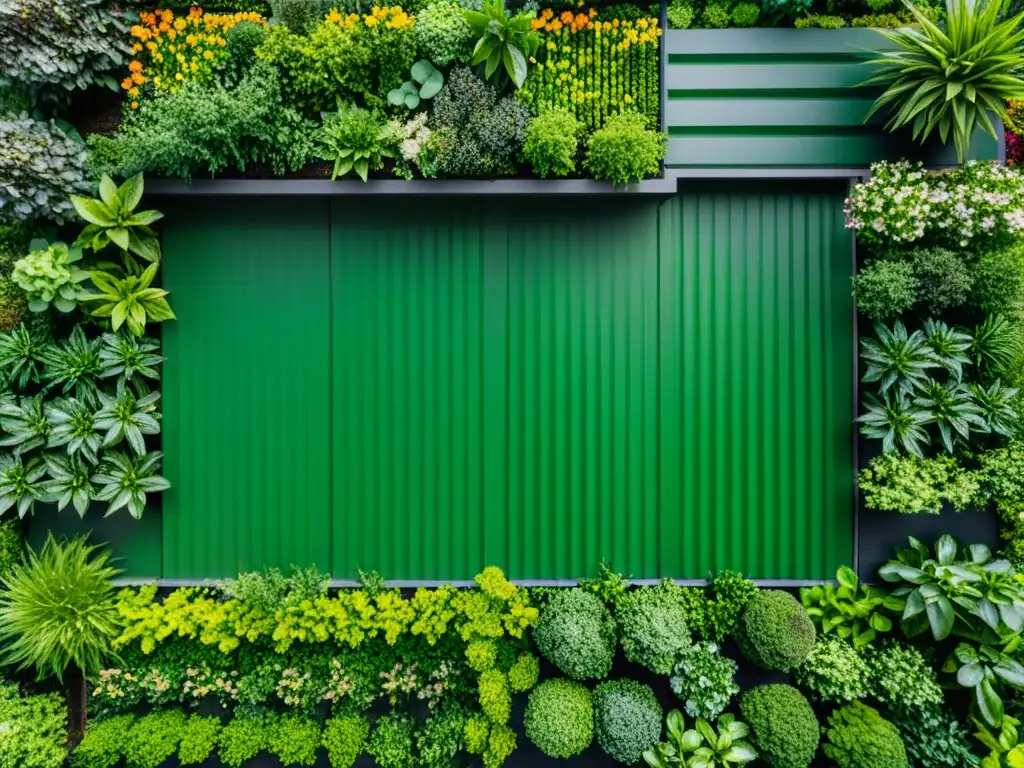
(663, 384)
(756, 391)
(247, 387)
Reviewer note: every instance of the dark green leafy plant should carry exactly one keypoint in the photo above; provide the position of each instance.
(35, 730)
(26, 425)
(354, 139)
(652, 627)
(996, 342)
(113, 219)
(998, 279)
(982, 589)
(897, 422)
(59, 610)
(127, 417)
(22, 356)
(625, 150)
(73, 364)
(439, 740)
(997, 406)
(775, 631)
(21, 483)
(74, 425)
(948, 346)
(130, 300)
(783, 727)
(124, 354)
(985, 670)
(727, 596)
(702, 746)
(951, 407)
(391, 743)
(576, 634)
(425, 84)
(47, 276)
(344, 738)
(69, 482)
(834, 670)
(627, 719)
(11, 546)
(897, 358)
(885, 289)
(560, 718)
(854, 612)
(125, 481)
(947, 79)
(503, 42)
(934, 739)
(944, 280)
(858, 737)
(552, 143)
(703, 679)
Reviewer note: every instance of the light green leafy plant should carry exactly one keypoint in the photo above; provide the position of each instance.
(782, 724)
(113, 219)
(59, 610)
(355, 140)
(344, 738)
(834, 670)
(560, 718)
(127, 417)
(34, 730)
(576, 634)
(125, 481)
(124, 354)
(504, 43)
(702, 746)
(103, 744)
(858, 737)
(912, 485)
(625, 150)
(552, 143)
(391, 743)
(154, 738)
(652, 627)
(703, 678)
(627, 719)
(130, 299)
(902, 679)
(853, 611)
(425, 83)
(949, 78)
(198, 739)
(775, 631)
(47, 276)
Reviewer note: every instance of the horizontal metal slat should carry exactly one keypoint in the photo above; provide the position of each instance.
(700, 112)
(753, 76)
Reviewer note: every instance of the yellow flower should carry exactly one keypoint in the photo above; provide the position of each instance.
(179, 24)
(207, 55)
(628, 99)
(179, 76)
(371, 21)
(133, 91)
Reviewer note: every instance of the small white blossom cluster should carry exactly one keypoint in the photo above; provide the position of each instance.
(902, 203)
(409, 137)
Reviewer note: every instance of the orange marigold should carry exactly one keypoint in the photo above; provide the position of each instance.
(566, 17)
(135, 66)
(547, 14)
(126, 83)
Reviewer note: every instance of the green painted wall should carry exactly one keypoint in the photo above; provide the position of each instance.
(428, 390)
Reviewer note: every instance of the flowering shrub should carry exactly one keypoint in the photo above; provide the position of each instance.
(901, 203)
(169, 50)
(595, 68)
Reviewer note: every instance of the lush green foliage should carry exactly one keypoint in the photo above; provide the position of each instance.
(112, 219)
(242, 739)
(835, 671)
(576, 633)
(560, 718)
(783, 726)
(294, 740)
(440, 738)
(948, 78)
(104, 743)
(652, 627)
(153, 738)
(344, 738)
(912, 485)
(354, 139)
(46, 275)
(627, 719)
(59, 609)
(34, 730)
(443, 35)
(775, 631)
(625, 150)
(11, 546)
(504, 42)
(702, 746)
(858, 737)
(552, 143)
(934, 739)
(885, 289)
(902, 678)
(852, 611)
(703, 679)
(39, 165)
(199, 738)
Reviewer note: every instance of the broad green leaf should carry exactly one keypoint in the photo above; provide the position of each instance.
(93, 211)
(131, 192)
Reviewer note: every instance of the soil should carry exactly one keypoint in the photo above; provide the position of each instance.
(96, 110)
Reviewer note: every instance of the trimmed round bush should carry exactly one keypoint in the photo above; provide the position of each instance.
(703, 679)
(858, 737)
(885, 289)
(775, 631)
(625, 150)
(652, 625)
(442, 34)
(560, 718)
(783, 726)
(627, 719)
(943, 278)
(552, 142)
(998, 280)
(576, 633)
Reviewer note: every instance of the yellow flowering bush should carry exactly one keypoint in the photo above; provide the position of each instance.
(170, 50)
(595, 68)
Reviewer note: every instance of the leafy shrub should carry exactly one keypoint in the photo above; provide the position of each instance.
(680, 14)
(821, 22)
(703, 679)
(294, 739)
(354, 139)
(209, 129)
(153, 738)
(103, 744)
(242, 41)
(52, 47)
(34, 730)
(475, 133)
(998, 280)
(902, 678)
(625, 150)
(746, 14)
(885, 289)
(716, 14)
(560, 718)
(11, 546)
(834, 670)
(552, 142)
(627, 719)
(858, 737)
(523, 674)
(344, 738)
(495, 697)
(40, 166)
(298, 15)
(785, 730)
(727, 598)
(391, 743)
(199, 739)
(60, 609)
(440, 738)
(47, 276)
(775, 631)
(912, 485)
(242, 739)
(576, 633)
(652, 627)
(442, 34)
(934, 739)
(942, 277)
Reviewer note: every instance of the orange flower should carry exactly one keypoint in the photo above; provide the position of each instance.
(165, 27)
(135, 66)
(536, 23)
(138, 79)
(126, 83)
(566, 17)
(555, 25)
(546, 14)
(135, 105)
(592, 12)
(580, 21)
